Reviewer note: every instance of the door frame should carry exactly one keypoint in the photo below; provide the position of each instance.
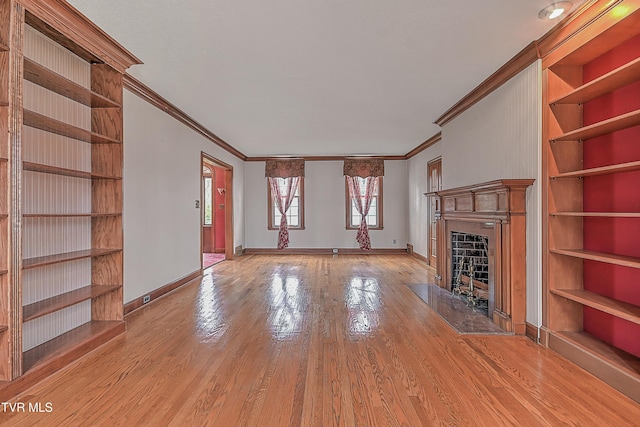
(432, 234)
(228, 204)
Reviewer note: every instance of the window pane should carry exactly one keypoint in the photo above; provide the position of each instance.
(208, 204)
(355, 216)
(372, 218)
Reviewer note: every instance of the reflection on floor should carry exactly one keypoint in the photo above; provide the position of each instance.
(208, 259)
(455, 312)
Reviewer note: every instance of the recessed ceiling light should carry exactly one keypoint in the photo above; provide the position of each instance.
(555, 10)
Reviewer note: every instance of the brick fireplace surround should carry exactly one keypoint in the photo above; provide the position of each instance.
(496, 210)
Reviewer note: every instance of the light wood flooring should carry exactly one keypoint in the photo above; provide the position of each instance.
(316, 341)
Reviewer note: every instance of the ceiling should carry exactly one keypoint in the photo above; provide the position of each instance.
(318, 77)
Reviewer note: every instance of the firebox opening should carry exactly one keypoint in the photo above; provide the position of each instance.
(470, 269)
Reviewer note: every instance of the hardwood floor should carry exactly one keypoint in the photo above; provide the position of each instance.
(315, 341)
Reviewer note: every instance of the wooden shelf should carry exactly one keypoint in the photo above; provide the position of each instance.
(46, 78)
(50, 305)
(47, 124)
(65, 257)
(4, 271)
(4, 47)
(603, 170)
(622, 260)
(54, 170)
(616, 367)
(3, 328)
(598, 214)
(4, 104)
(601, 128)
(69, 346)
(72, 215)
(615, 79)
(608, 305)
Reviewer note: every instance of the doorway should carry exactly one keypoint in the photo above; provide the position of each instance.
(434, 174)
(216, 219)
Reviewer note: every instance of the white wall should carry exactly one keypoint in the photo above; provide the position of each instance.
(162, 174)
(324, 191)
(500, 137)
(418, 202)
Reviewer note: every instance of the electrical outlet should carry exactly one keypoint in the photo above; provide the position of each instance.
(146, 299)
(394, 241)
(197, 204)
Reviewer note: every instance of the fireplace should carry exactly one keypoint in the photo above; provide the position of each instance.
(494, 213)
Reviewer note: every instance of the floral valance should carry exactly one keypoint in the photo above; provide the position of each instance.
(363, 167)
(284, 168)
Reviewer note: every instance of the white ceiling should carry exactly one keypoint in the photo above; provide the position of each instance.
(318, 77)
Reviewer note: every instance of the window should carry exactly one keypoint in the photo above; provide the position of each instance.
(208, 202)
(295, 213)
(374, 218)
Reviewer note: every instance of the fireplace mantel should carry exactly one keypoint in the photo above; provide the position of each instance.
(496, 209)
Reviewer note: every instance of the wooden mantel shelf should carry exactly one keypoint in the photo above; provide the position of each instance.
(489, 185)
(491, 200)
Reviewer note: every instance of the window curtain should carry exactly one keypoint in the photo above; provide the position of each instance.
(291, 170)
(362, 206)
(283, 201)
(370, 169)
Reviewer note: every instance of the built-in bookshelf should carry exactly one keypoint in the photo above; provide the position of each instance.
(61, 264)
(5, 210)
(71, 294)
(592, 173)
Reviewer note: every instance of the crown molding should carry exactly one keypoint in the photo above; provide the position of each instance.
(518, 63)
(584, 16)
(420, 148)
(322, 158)
(428, 143)
(60, 17)
(147, 94)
